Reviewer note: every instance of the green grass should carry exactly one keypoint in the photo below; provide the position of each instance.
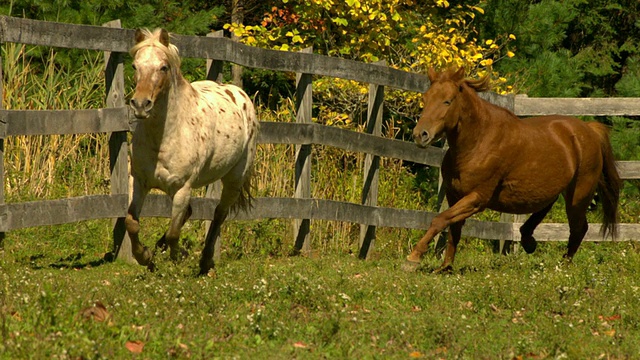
(329, 306)
(264, 304)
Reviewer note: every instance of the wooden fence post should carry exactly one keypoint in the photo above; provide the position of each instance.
(3, 127)
(371, 174)
(304, 103)
(118, 146)
(214, 73)
(214, 67)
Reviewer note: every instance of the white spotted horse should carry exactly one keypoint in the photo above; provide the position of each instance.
(188, 136)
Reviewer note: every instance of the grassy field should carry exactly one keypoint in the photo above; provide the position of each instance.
(59, 300)
(329, 306)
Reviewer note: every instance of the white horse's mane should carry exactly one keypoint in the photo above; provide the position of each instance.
(153, 39)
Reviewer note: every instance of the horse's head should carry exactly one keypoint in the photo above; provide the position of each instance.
(441, 108)
(156, 63)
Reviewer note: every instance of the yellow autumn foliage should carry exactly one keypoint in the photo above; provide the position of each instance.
(409, 35)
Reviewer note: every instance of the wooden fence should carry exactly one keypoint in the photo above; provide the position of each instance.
(116, 120)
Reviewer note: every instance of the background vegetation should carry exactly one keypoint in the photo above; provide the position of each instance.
(516, 307)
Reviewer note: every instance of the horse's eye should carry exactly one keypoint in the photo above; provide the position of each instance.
(447, 102)
(134, 66)
(164, 68)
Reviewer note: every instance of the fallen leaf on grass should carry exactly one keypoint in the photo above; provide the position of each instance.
(534, 356)
(610, 333)
(97, 312)
(182, 350)
(415, 354)
(134, 346)
(300, 345)
(613, 317)
(441, 350)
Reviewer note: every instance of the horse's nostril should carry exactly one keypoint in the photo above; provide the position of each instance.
(148, 104)
(425, 135)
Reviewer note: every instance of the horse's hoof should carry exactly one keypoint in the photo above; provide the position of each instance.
(179, 255)
(529, 245)
(410, 266)
(206, 266)
(144, 258)
(210, 272)
(207, 272)
(444, 269)
(151, 266)
(162, 244)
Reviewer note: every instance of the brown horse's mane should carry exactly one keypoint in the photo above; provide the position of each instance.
(479, 85)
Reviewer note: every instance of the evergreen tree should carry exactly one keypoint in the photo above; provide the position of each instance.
(571, 47)
(184, 17)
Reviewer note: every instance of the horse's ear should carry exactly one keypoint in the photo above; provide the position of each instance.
(432, 74)
(459, 75)
(140, 36)
(164, 37)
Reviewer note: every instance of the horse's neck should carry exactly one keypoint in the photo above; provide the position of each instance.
(167, 112)
(176, 102)
(471, 124)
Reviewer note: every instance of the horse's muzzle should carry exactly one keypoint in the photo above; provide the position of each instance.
(422, 138)
(141, 109)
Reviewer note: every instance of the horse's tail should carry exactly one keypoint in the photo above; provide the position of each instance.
(245, 200)
(609, 184)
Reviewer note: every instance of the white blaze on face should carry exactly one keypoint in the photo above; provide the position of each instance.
(152, 76)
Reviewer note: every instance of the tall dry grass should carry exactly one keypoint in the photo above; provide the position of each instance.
(47, 167)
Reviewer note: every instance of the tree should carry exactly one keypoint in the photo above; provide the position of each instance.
(409, 35)
(569, 48)
(184, 17)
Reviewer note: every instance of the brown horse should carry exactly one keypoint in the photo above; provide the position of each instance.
(498, 161)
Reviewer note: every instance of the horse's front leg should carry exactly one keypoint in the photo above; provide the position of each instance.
(180, 212)
(461, 210)
(132, 223)
(162, 243)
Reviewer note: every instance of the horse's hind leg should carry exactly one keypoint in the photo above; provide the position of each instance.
(578, 200)
(527, 240)
(228, 197)
(453, 238)
(578, 227)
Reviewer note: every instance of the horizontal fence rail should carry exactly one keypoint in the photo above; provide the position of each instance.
(35, 32)
(50, 122)
(55, 212)
(117, 119)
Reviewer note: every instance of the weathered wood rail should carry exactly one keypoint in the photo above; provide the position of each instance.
(115, 120)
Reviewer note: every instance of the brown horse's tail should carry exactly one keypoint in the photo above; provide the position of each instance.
(609, 184)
